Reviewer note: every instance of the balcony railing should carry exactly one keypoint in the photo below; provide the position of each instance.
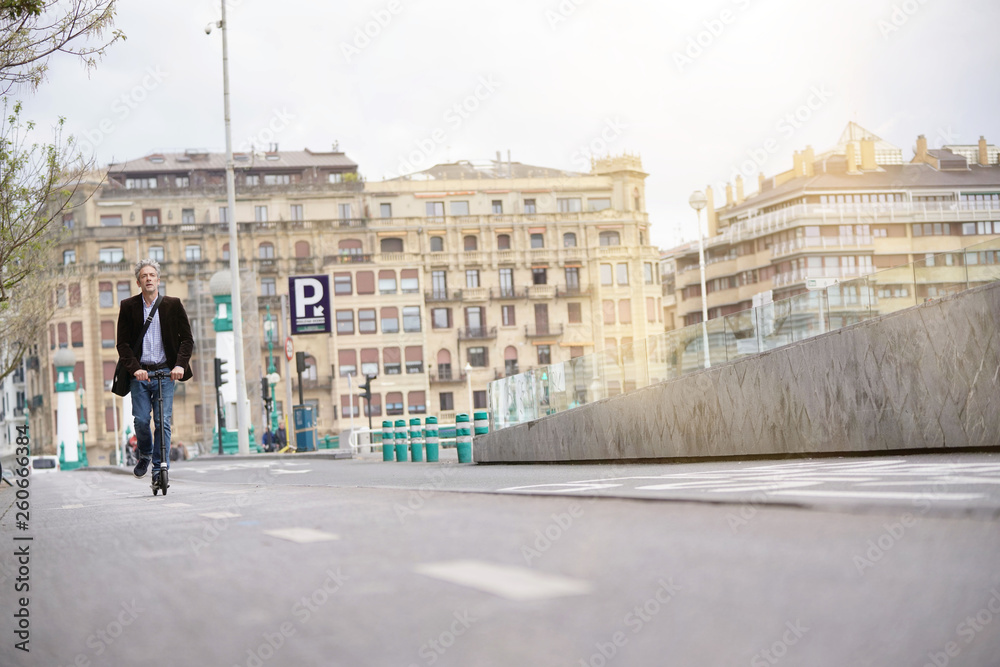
(572, 290)
(442, 295)
(477, 333)
(511, 293)
(445, 377)
(543, 331)
(346, 258)
(541, 291)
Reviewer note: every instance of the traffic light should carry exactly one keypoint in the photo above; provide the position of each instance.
(366, 388)
(300, 362)
(220, 373)
(265, 391)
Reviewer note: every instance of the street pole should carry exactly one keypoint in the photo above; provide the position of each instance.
(698, 202)
(468, 381)
(242, 432)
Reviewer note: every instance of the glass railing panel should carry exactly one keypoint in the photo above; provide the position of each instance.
(892, 290)
(847, 303)
(938, 275)
(741, 334)
(982, 262)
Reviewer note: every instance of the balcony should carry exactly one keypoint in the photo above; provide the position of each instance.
(348, 258)
(612, 251)
(114, 267)
(446, 377)
(267, 266)
(475, 294)
(541, 291)
(504, 293)
(821, 243)
(440, 296)
(543, 331)
(477, 333)
(572, 290)
(474, 257)
(305, 265)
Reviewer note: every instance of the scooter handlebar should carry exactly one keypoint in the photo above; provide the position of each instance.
(162, 373)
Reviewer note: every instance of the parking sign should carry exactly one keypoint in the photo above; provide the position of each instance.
(310, 301)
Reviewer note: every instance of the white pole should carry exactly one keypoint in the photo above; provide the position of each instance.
(243, 434)
(350, 391)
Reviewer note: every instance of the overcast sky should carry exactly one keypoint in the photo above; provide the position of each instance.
(696, 88)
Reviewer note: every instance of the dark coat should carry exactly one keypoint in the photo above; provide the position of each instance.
(178, 344)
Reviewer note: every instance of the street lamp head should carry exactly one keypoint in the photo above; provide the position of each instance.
(213, 24)
(698, 200)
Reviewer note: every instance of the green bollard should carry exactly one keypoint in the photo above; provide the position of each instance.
(388, 441)
(481, 423)
(400, 440)
(431, 439)
(416, 441)
(463, 438)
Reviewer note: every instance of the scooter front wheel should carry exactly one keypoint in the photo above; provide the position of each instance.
(163, 481)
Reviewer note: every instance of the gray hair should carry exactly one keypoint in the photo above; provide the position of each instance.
(143, 263)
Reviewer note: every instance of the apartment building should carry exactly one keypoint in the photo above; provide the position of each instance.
(850, 211)
(442, 280)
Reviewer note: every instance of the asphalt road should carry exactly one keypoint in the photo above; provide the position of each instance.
(304, 561)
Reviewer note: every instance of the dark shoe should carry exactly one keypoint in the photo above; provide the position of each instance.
(155, 483)
(141, 467)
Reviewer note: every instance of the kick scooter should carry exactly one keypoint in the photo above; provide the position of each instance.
(160, 484)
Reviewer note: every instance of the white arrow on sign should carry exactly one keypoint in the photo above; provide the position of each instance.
(300, 296)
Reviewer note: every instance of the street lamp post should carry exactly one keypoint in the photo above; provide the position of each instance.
(82, 455)
(698, 200)
(272, 372)
(242, 432)
(468, 382)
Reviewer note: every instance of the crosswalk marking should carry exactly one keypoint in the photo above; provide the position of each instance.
(513, 583)
(302, 535)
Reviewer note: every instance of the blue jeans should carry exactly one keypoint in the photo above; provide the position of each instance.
(145, 397)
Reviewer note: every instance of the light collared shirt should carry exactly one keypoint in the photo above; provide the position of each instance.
(152, 344)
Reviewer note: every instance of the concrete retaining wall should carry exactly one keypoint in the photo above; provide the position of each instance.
(926, 377)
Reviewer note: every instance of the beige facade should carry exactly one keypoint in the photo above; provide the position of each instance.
(850, 211)
(497, 266)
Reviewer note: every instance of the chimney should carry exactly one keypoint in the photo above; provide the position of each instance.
(711, 219)
(921, 155)
(797, 164)
(729, 195)
(739, 189)
(808, 157)
(984, 155)
(760, 182)
(852, 166)
(868, 155)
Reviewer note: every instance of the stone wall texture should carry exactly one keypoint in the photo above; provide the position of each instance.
(924, 378)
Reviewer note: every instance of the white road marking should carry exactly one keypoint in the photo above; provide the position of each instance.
(302, 535)
(177, 505)
(71, 507)
(289, 472)
(513, 583)
(220, 515)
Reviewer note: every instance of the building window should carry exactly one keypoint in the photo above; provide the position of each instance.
(544, 355)
(68, 221)
(252, 180)
(503, 241)
(268, 287)
(366, 320)
(539, 276)
(441, 318)
(366, 282)
(69, 257)
(265, 250)
(932, 229)
(609, 311)
(434, 209)
(387, 281)
(409, 282)
(478, 357)
(572, 278)
(414, 359)
(192, 253)
(415, 403)
(506, 283)
(394, 403)
(335, 178)
(479, 399)
(625, 311)
(223, 214)
(529, 206)
(569, 205)
(345, 322)
(437, 244)
(61, 296)
(390, 320)
(472, 277)
(497, 207)
(140, 183)
(391, 245)
(277, 179)
(344, 211)
(260, 213)
(124, 290)
(151, 216)
(342, 284)
(647, 272)
(609, 238)
(598, 203)
(411, 318)
(107, 295)
(302, 249)
(225, 252)
(111, 255)
(574, 313)
(622, 270)
(296, 212)
(447, 401)
(458, 208)
(507, 316)
(108, 337)
(470, 243)
(575, 351)
(510, 361)
(537, 241)
(569, 240)
(607, 275)
(187, 216)
(390, 360)
(369, 362)
(385, 210)
(439, 284)
(111, 221)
